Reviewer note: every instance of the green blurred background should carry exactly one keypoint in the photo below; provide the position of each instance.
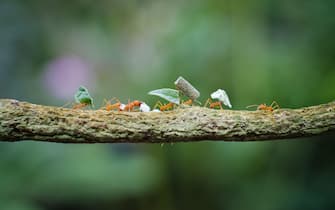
(258, 51)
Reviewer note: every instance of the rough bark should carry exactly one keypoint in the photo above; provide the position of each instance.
(26, 121)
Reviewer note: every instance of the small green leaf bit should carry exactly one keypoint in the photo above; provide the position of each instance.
(168, 94)
(82, 96)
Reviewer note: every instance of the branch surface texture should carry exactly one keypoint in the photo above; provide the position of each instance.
(25, 121)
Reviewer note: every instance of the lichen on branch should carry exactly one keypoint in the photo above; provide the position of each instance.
(25, 121)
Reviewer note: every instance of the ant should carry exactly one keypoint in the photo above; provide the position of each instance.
(164, 107)
(80, 105)
(77, 105)
(169, 106)
(109, 106)
(274, 105)
(222, 98)
(212, 104)
(131, 105)
(189, 102)
(121, 107)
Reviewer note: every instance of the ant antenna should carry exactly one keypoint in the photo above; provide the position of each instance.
(128, 105)
(65, 105)
(198, 102)
(251, 106)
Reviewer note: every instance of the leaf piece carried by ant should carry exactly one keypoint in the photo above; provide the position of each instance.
(144, 107)
(168, 94)
(186, 88)
(164, 107)
(82, 96)
(222, 96)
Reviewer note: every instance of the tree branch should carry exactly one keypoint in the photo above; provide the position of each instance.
(26, 121)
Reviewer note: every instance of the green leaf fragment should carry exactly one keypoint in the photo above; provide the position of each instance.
(168, 94)
(82, 96)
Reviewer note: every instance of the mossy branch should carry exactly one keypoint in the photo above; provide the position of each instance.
(26, 121)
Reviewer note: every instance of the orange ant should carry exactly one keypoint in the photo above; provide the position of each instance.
(212, 104)
(274, 105)
(109, 106)
(169, 106)
(189, 102)
(164, 107)
(131, 105)
(79, 106)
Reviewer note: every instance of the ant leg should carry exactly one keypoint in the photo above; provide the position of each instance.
(115, 99)
(220, 104)
(209, 101)
(275, 105)
(67, 104)
(105, 103)
(158, 105)
(129, 107)
(198, 102)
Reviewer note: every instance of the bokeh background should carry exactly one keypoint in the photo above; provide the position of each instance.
(258, 51)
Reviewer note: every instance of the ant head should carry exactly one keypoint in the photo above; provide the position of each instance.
(137, 103)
